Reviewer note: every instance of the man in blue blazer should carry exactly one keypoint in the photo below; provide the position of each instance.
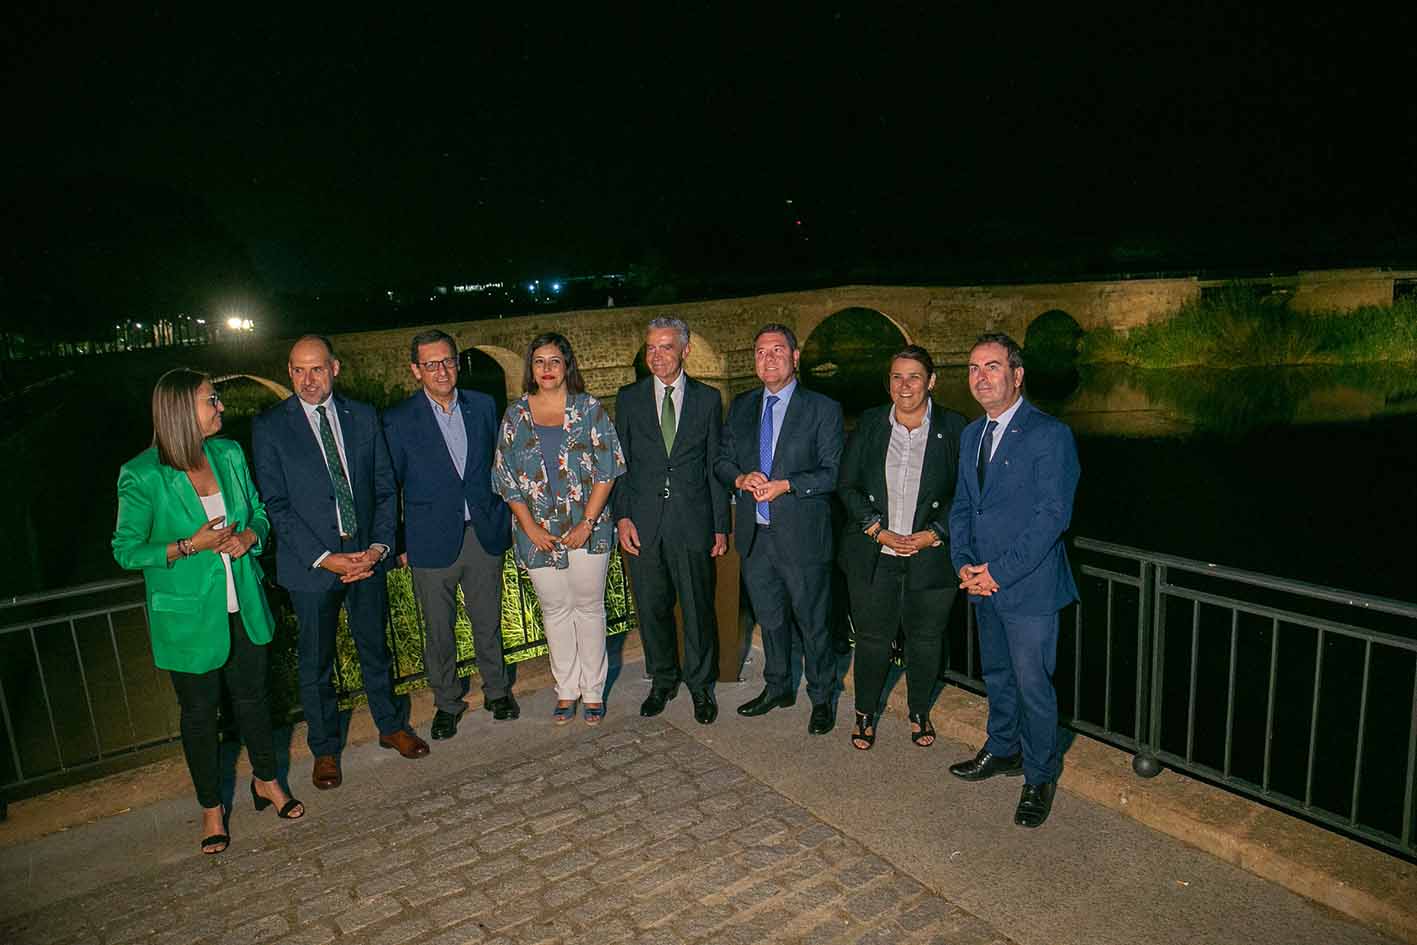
(455, 530)
(780, 452)
(323, 469)
(1018, 473)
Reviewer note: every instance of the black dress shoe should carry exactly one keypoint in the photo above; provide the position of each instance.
(985, 765)
(654, 702)
(823, 719)
(504, 708)
(765, 703)
(445, 724)
(1034, 804)
(705, 708)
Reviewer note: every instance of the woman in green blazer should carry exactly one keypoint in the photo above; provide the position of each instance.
(189, 518)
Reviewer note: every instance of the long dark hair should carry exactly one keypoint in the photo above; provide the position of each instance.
(175, 432)
(574, 383)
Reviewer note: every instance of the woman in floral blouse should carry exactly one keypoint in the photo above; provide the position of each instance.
(557, 455)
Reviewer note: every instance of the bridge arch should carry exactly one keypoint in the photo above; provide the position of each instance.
(809, 322)
(845, 355)
(509, 361)
(280, 390)
(1053, 335)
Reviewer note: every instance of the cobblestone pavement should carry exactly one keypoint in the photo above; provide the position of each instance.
(632, 833)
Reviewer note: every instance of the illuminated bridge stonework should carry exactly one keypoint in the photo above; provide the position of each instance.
(944, 319)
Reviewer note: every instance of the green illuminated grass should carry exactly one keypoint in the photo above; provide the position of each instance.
(1235, 330)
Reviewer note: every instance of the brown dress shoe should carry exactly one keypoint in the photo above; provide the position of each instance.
(405, 743)
(326, 774)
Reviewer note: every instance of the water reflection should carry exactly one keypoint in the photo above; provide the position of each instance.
(1115, 400)
(1121, 401)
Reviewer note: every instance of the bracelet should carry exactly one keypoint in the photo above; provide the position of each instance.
(184, 547)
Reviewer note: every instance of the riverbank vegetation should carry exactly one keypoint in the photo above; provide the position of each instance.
(1238, 329)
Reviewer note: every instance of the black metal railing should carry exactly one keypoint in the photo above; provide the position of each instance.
(71, 661)
(1319, 708)
(1301, 696)
(78, 687)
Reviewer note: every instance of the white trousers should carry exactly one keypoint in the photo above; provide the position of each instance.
(573, 614)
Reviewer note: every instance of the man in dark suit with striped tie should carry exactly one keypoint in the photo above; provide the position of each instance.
(323, 469)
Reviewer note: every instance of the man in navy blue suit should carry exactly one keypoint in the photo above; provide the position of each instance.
(324, 472)
(780, 453)
(455, 530)
(1018, 473)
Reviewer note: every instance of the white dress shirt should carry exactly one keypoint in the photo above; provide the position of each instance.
(905, 459)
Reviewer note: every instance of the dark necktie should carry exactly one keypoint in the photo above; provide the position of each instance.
(344, 496)
(765, 450)
(986, 450)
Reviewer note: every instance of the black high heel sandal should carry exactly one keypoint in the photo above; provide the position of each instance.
(285, 813)
(864, 720)
(926, 730)
(218, 841)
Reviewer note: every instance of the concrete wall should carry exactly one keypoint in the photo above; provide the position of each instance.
(1343, 290)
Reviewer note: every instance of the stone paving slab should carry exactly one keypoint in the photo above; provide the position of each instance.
(634, 833)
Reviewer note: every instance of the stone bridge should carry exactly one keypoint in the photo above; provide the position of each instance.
(943, 319)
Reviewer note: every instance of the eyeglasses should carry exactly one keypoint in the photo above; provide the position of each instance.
(431, 367)
(213, 398)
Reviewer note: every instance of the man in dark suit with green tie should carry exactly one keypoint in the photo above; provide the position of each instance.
(672, 516)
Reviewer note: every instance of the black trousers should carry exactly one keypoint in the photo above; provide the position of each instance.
(662, 573)
(879, 608)
(199, 696)
(785, 594)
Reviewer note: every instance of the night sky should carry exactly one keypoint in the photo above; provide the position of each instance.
(160, 157)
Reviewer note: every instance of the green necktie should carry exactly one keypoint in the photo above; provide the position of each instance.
(666, 420)
(344, 496)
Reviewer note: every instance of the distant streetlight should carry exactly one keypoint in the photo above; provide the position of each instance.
(233, 323)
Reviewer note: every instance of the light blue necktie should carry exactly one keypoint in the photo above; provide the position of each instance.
(765, 449)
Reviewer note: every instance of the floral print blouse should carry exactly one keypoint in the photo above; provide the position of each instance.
(590, 453)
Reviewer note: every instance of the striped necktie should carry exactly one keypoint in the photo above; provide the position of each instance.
(344, 496)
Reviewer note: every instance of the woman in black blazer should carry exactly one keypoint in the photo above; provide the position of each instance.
(897, 483)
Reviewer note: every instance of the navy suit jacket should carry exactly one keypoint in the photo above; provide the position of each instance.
(808, 455)
(697, 507)
(300, 497)
(1017, 525)
(433, 495)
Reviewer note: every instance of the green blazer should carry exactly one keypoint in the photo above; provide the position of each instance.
(187, 599)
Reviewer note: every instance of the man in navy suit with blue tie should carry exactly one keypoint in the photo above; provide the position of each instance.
(455, 530)
(324, 472)
(780, 453)
(1018, 473)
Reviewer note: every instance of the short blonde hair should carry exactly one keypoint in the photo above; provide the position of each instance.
(175, 432)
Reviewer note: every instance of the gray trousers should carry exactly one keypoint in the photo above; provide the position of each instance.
(480, 575)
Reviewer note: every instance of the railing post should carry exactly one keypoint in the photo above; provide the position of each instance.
(1145, 762)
